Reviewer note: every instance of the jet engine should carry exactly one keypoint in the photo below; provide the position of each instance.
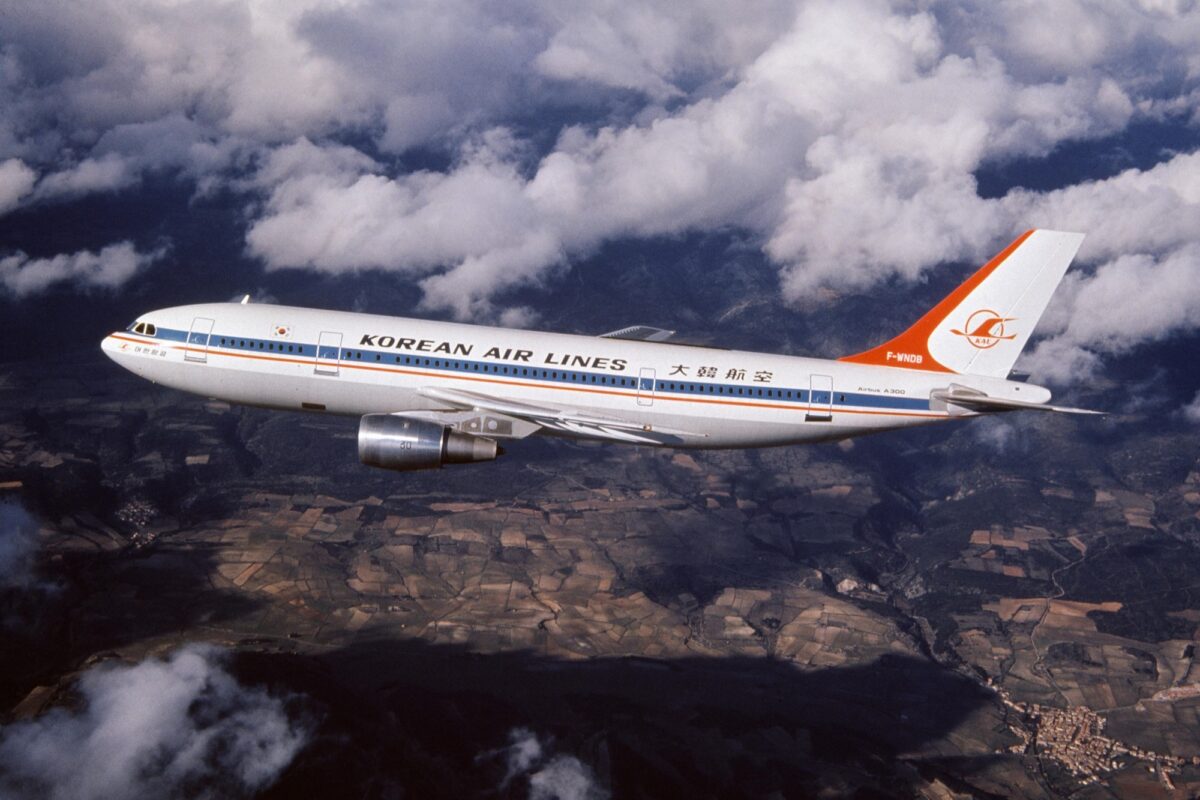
(403, 443)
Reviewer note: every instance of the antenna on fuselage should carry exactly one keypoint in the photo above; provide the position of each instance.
(245, 299)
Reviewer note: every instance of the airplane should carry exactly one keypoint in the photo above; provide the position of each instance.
(437, 393)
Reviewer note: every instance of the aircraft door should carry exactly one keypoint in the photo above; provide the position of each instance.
(645, 395)
(197, 341)
(820, 399)
(329, 353)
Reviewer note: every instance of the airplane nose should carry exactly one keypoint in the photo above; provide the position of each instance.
(112, 348)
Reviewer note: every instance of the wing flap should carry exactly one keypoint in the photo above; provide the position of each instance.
(559, 419)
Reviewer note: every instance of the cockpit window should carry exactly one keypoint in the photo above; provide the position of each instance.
(144, 328)
(151, 330)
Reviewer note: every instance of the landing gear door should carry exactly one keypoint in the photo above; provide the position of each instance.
(197, 341)
(329, 353)
(820, 399)
(645, 396)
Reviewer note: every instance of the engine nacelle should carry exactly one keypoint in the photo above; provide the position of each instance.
(403, 443)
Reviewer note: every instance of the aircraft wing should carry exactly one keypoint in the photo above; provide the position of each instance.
(981, 402)
(560, 419)
(639, 333)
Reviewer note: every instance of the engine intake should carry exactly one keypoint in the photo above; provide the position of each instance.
(402, 443)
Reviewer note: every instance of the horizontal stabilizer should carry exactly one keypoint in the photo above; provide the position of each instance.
(981, 402)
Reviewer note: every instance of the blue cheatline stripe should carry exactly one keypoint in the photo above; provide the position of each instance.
(663, 386)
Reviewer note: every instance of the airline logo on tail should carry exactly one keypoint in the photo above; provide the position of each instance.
(985, 329)
(1018, 281)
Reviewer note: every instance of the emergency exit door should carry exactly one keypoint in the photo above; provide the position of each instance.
(645, 396)
(329, 353)
(820, 399)
(197, 341)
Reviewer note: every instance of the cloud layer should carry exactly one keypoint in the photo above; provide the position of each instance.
(843, 136)
(180, 727)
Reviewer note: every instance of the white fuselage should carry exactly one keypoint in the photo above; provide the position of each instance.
(347, 363)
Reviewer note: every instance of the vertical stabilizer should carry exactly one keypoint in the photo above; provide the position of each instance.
(982, 326)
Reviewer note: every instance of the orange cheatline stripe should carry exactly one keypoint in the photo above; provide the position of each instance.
(916, 338)
(586, 390)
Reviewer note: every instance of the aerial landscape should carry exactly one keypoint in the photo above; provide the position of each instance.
(203, 599)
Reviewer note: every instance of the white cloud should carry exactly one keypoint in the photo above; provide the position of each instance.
(1191, 412)
(16, 181)
(183, 726)
(105, 174)
(550, 776)
(523, 752)
(109, 268)
(564, 778)
(1128, 301)
(658, 48)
